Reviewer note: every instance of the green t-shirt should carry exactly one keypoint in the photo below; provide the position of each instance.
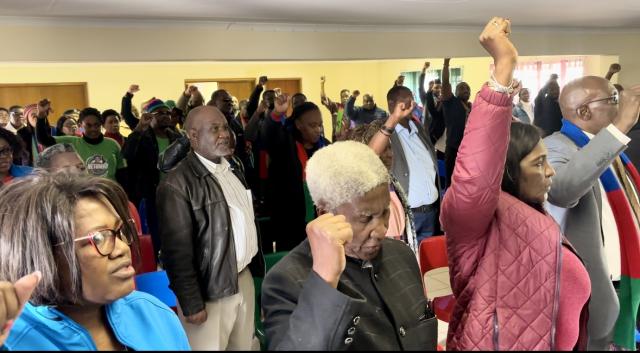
(102, 159)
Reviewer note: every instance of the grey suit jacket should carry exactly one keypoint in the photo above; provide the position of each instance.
(576, 188)
(381, 307)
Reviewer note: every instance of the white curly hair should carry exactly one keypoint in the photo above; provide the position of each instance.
(342, 172)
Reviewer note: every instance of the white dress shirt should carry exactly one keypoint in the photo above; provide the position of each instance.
(240, 204)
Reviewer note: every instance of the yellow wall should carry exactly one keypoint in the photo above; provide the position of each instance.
(107, 82)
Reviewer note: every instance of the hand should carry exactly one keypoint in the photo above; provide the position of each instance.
(615, 68)
(400, 80)
(197, 318)
(13, 297)
(355, 94)
(282, 104)
(262, 80)
(263, 106)
(495, 40)
(401, 111)
(278, 91)
(426, 66)
(323, 79)
(447, 61)
(44, 107)
(554, 77)
(133, 89)
(327, 235)
(629, 109)
(190, 90)
(144, 123)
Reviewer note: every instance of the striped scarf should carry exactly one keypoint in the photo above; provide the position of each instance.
(629, 235)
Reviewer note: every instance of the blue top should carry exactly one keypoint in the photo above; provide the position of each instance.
(18, 171)
(139, 321)
(422, 169)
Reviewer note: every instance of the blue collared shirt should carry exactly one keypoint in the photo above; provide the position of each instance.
(422, 169)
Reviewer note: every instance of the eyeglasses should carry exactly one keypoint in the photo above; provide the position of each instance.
(104, 240)
(8, 151)
(612, 99)
(161, 112)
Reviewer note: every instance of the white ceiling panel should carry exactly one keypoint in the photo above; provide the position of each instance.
(532, 13)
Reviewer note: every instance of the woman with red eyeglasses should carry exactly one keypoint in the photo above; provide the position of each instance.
(64, 247)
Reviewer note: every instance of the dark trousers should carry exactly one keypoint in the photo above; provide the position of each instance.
(425, 223)
(450, 155)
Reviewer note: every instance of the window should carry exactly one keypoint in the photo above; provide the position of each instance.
(535, 74)
(412, 78)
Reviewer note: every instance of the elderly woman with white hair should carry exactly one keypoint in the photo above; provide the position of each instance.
(347, 286)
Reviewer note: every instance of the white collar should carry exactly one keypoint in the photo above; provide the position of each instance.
(223, 166)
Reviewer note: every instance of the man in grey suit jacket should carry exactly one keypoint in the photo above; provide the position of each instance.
(578, 201)
(347, 286)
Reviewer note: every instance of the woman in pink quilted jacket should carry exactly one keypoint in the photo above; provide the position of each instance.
(518, 284)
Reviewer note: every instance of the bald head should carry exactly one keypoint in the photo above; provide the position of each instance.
(208, 132)
(583, 102)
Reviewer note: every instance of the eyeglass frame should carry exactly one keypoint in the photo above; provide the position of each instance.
(615, 97)
(161, 112)
(112, 232)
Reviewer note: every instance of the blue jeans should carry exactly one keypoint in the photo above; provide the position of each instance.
(425, 223)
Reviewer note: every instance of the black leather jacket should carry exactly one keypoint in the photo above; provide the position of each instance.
(198, 251)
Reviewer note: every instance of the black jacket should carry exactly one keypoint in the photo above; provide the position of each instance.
(435, 125)
(198, 251)
(141, 153)
(547, 113)
(382, 307)
(285, 192)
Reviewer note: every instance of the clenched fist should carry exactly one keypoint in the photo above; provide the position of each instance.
(327, 235)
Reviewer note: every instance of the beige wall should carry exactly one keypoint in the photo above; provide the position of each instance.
(107, 82)
(160, 56)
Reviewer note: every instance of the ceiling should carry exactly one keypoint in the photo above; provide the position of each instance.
(618, 14)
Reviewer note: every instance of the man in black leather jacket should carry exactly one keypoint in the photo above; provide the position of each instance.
(212, 239)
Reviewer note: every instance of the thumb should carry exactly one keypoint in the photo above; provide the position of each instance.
(25, 286)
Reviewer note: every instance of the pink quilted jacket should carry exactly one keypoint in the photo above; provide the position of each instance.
(504, 256)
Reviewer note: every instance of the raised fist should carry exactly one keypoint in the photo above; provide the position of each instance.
(495, 40)
(44, 108)
(355, 93)
(133, 89)
(262, 80)
(615, 68)
(282, 104)
(190, 90)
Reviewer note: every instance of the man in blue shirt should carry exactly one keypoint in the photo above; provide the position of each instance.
(414, 164)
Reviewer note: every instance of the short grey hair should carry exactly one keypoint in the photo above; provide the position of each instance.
(342, 172)
(45, 158)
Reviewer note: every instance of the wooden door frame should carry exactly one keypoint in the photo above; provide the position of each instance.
(86, 87)
(188, 81)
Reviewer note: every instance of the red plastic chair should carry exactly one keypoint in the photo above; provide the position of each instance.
(433, 254)
(147, 261)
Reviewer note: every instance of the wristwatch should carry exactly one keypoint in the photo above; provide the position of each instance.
(388, 130)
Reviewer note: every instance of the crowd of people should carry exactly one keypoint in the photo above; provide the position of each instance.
(538, 205)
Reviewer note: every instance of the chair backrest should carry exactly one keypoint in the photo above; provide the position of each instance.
(433, 253)
(157, 284)
(147, 254)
